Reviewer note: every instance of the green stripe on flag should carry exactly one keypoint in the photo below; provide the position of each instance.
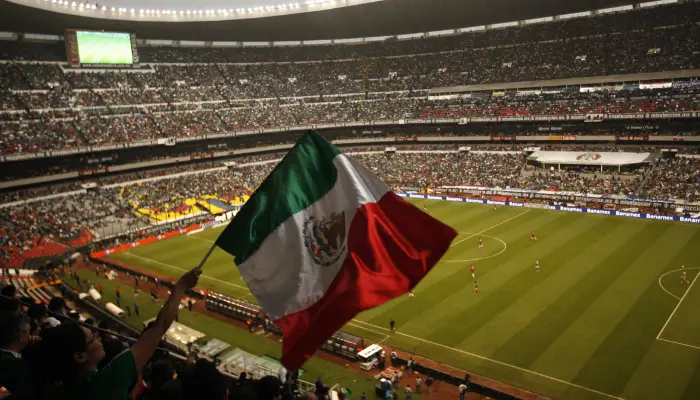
(303, 176)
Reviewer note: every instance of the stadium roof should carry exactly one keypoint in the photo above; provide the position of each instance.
(378, 18)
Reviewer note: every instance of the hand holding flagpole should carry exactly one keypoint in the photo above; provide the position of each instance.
(190, 278)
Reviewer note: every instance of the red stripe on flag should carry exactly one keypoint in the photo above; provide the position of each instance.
(392, 245)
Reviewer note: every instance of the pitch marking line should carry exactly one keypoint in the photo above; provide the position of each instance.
(670, 272)
(184, 270)
(199, 238)
(677, 306)
(679, 343)
(501, 363)
(488, 229)
(383, 340)
(505, 246)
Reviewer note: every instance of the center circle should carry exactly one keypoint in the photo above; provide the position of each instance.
(505, 246)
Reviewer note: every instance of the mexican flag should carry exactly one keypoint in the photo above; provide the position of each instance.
(323, 239)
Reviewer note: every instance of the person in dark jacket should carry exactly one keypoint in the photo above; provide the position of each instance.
(14, 337)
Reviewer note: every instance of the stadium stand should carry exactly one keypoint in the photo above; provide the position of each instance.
(369, 82)
(105, 158)
(127, 203)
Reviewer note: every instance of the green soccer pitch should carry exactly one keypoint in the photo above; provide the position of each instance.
(95, 48)
(606, 317)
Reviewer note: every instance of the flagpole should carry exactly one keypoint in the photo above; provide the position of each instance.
(206, 256)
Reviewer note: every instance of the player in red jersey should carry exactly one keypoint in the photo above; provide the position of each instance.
(532, 236)
(471, 268)
(481, 243)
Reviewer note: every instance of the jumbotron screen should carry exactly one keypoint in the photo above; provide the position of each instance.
(104, 47)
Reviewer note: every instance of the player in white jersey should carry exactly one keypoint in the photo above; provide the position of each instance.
(537, 266)
(683, 275)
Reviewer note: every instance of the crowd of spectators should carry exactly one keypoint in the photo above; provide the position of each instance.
(53, 352)
(593, 183)
(674, 178)
(47, 109)
(99, 210)
(110, 211)
(66, 220)
(50, 109)
(421, 170)
(45, 131)
(106, 212)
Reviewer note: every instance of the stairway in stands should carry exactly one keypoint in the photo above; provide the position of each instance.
(653, 158)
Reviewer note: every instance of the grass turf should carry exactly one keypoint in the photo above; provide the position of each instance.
(584, 327)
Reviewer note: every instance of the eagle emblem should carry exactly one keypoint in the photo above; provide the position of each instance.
(589, 157)
(324, 238)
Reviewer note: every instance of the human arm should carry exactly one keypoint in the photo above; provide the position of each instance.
(144, 347)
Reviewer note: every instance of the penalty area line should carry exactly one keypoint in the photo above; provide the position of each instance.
(670, 272)
(184, 270)
(679, 343)
(677, 306)
(501, 363)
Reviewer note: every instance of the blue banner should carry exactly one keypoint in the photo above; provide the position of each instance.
(557, 208)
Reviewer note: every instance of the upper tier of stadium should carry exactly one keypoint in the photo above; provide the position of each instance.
(624, 31)
(543, 71)
(623, 71)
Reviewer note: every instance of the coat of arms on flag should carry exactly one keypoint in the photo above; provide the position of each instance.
(324, 237)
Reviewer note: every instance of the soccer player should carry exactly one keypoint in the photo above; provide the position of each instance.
(494, 207)
(532, 236)
(476, 286)
(425, 207)
(683, 275)
(410, 294)
(392, 325)
(537, 266)
(471, 268)
(481, 243)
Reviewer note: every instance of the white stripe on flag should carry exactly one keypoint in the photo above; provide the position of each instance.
(282, 274)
